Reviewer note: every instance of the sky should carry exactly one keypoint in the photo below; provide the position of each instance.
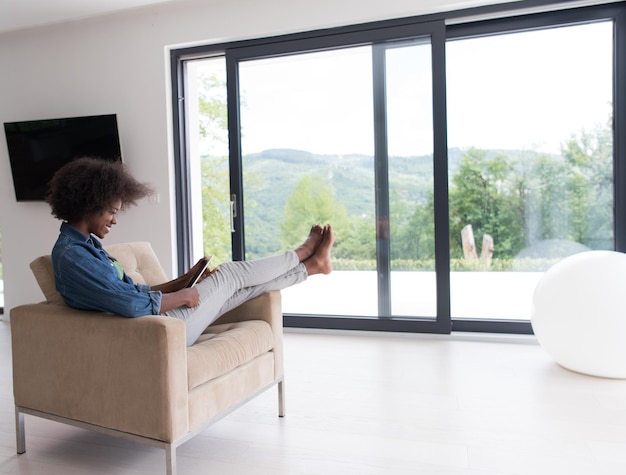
(528, 91)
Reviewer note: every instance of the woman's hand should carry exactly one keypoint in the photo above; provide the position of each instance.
(191, 276)
(207, 272)
(191, 297)
(187, 297)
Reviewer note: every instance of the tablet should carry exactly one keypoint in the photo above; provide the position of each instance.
(197, 275)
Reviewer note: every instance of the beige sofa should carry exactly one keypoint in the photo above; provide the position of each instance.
(135, 378)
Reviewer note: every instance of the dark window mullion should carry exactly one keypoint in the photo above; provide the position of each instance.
(440, 171)
(235, 156)
(381, 167)
(181, 165)
(619, 130)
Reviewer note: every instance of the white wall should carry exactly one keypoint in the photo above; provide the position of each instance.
(119, 64)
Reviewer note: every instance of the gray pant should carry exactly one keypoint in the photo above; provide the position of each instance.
(235, 283)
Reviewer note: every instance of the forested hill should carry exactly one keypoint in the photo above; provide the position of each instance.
(273, 174)
(271, 177)
(483, 186)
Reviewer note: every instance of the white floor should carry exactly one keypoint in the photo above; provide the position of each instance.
(369, 404)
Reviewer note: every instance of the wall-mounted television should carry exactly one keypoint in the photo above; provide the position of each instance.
(38, 148)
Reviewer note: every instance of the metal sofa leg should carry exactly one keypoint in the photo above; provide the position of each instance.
(19, 432)
(170, 459)
(281, 398)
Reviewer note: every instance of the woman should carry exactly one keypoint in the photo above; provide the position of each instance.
(87, 194)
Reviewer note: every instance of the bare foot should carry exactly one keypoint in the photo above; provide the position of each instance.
(312, 242)
(320, 262)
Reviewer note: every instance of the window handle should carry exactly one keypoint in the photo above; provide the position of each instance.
(233, 212)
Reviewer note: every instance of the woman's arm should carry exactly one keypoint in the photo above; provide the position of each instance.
(172, 286)
(87, 279)
(175, 292)
(181, 282)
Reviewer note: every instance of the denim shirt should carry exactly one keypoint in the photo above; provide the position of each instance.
(87, 279)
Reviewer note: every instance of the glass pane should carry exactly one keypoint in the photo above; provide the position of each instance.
(410, 150)
(530, 161)
(207, 144)
(307, 145)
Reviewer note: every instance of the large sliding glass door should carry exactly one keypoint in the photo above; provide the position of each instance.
(345, 136)
(407, 156)
(342, 134)
(456, 158)
(307, 144)
(206, 143)
(530, 162)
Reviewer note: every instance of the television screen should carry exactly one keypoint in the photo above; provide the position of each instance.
(38, 148)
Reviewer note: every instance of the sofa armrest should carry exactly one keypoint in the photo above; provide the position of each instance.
(267, 307)
(115, 372)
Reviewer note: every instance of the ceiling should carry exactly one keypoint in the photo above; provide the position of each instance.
(20, 14)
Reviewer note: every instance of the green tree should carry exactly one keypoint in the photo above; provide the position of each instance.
(546, 200)
(312, 201)
(589, 156)
(484, 194)
(212, 109)
(415, 239)
(215, 212)
(213, 123)
(524, 198)
(358, 242)
(570, 196)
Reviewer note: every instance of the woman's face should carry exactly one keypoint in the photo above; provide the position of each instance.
(100, 225)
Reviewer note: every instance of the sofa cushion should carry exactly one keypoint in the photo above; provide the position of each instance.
(224, 347)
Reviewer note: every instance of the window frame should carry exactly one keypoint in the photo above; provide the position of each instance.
(467, 23)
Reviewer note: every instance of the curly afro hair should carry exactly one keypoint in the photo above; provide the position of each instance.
(87, 186)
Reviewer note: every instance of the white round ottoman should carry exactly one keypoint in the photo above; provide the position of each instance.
(579, 313)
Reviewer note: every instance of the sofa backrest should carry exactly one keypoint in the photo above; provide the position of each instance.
(139, 262)
(137, 258)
